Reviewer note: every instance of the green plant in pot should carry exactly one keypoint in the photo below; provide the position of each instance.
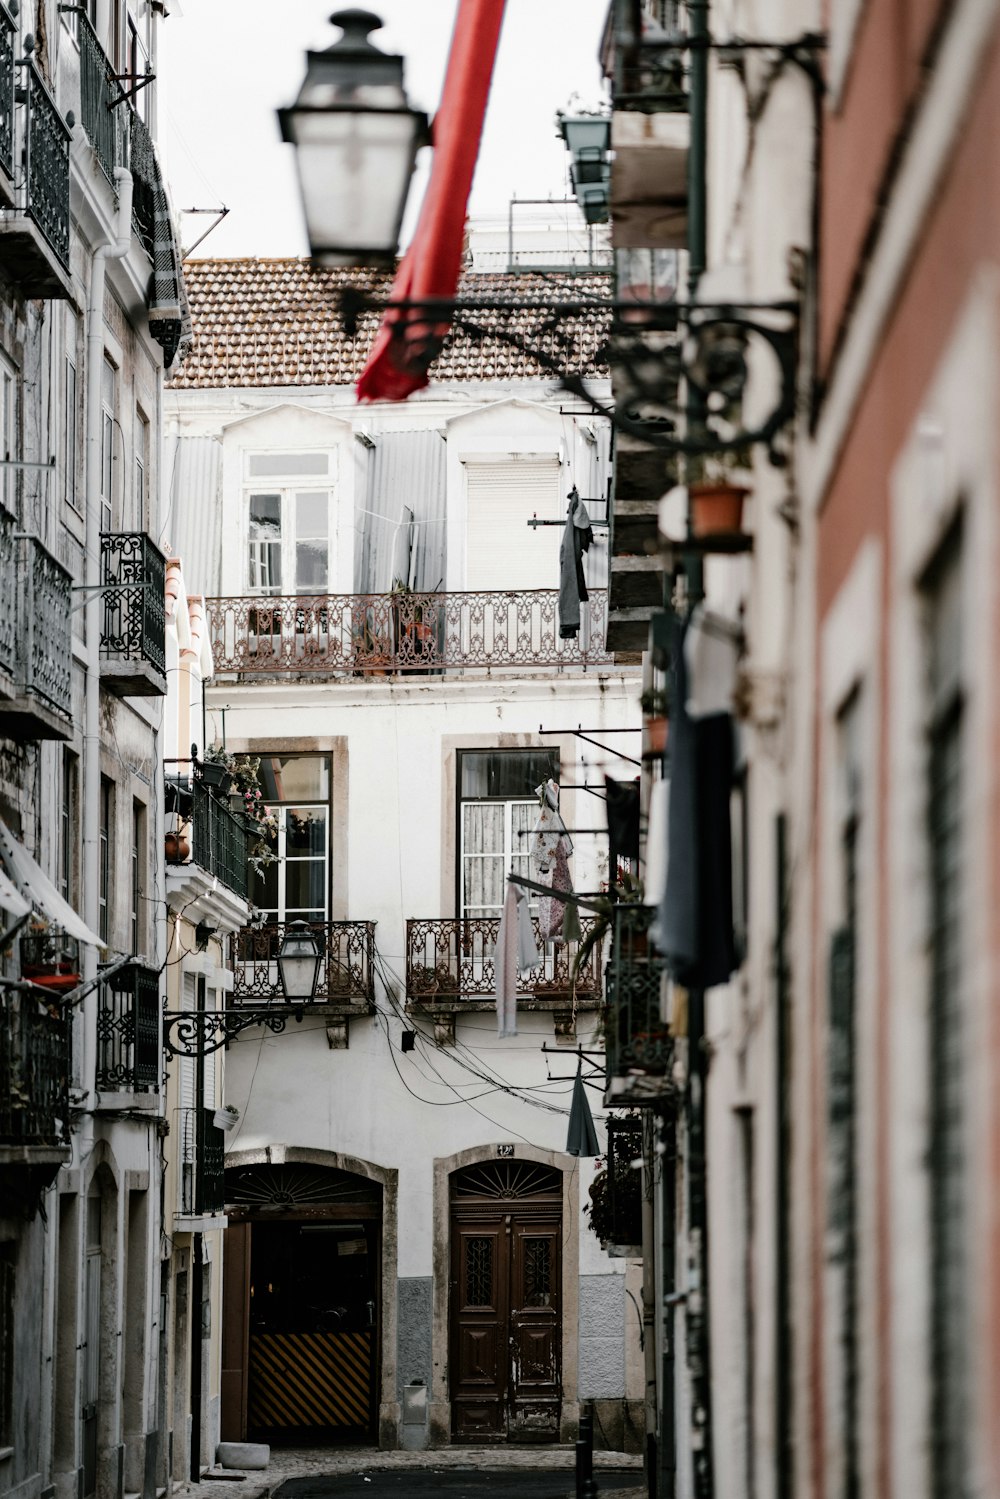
(627, 890)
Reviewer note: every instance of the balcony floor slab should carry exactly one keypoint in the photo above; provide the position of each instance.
(28, 260)
(133, 679)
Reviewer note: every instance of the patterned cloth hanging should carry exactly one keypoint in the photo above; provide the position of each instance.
(169, 314)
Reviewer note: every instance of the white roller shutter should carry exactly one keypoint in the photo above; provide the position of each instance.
(502, 550)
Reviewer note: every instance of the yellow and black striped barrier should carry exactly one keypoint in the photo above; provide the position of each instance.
(310, 1379)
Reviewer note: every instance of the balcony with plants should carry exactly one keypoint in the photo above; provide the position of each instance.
(398, 633)
(133, 625)
(451, 971)
(614, 1207)
(34, 173)
(213, 833)
(344, 987)
(35, 640)
(637, 1038)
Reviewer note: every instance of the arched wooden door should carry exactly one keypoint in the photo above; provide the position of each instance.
(506, 1302)
(301, 1314)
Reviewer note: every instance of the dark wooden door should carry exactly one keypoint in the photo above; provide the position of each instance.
(506, 1324)
(534, 1332)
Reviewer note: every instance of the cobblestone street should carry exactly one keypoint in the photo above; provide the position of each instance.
(500, 1473)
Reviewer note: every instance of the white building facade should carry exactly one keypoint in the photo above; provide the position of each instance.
(406, 1257)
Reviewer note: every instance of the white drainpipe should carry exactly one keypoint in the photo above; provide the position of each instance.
(93, 610)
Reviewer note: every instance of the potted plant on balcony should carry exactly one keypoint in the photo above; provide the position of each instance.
(718, 483)
(50, 958)
(614, 1221)
(215, 767)
(247, 801)
(627, 890)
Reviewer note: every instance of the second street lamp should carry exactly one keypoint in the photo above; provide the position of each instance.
(356, 141)
(299, 959)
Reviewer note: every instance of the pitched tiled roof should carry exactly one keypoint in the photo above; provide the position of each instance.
(277, 322)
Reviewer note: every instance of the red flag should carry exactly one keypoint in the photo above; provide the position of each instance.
(407, 343)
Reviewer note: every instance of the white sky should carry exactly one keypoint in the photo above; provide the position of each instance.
(225, 66)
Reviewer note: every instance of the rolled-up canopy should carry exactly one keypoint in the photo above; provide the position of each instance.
(35, 891)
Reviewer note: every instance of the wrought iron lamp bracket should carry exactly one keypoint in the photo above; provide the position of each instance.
(199, 1034)
(656, 346)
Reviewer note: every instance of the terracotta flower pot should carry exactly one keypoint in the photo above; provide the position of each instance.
(176, 847)
(656, 735)
(716, 508)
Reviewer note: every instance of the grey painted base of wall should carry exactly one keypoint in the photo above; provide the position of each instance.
(390, 1416)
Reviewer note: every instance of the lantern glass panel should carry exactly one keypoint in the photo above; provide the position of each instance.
(354, 171)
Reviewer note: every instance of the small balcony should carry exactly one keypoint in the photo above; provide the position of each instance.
(201, 1159)
(133, 630)
(345, 635)
(102, 115)
(34, 176)
(346, 973)
(638, 1043)
(207, 848)
(128, 1031)
(34, 1082)
(650, 125)
(644, 58)
(37, 701)
(450, 970)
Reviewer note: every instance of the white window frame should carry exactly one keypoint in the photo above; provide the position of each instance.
(511, 851)
(9, 444)
(287, 486)
(108, 423)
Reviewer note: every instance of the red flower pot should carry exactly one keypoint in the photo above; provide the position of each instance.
(716, 508)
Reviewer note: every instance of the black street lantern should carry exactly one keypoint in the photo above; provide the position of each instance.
(299, 958)
(356, 141)
(588, 141)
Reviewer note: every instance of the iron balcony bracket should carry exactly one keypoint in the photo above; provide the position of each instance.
(199, 1033)
(655, 349)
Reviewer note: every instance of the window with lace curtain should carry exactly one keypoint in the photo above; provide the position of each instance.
(498, 808)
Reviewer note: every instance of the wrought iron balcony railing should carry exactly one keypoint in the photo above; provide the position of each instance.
(43, 671)
(128, 1031)
(8, 37)
(201, 1161)
(101, 105)
(133, 633)
(208, 831)
(9, 559)
(347, 968)
(345, 634)
(624, 1180)
(452, 960)
(34, 1073)
(46, 164)
(637, 1038)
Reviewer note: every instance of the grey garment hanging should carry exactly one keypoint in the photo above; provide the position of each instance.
(581, 1137)
(576, 540)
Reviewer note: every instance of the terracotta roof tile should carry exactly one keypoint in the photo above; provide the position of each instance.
(277, 322)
